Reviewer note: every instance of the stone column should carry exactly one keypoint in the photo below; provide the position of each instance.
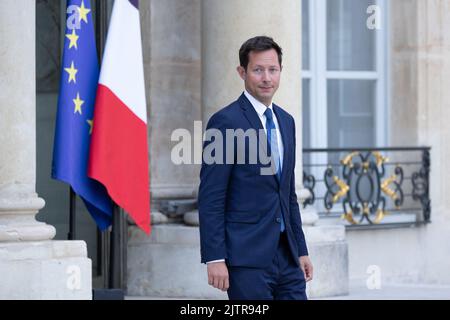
(32, 266)
(225, 26)
(171, 32)
(172, 48)
(18, 200)
(432, 80)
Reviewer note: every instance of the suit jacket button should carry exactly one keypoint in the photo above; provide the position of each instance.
(278, 220)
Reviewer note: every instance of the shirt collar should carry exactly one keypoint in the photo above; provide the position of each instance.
(259, 106)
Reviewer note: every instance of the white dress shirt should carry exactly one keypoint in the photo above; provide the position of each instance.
(260, 108)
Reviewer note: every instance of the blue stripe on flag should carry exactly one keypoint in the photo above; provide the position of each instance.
(78, 86)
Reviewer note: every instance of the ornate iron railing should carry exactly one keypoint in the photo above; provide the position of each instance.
(369, 186)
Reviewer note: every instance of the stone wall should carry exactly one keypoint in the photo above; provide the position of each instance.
(420, 111)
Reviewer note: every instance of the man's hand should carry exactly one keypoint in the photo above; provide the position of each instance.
(218, 275)
(307, 267)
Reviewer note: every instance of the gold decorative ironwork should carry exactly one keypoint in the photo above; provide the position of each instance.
(379, 158)
(366, 165)
(385, 187)
(365, 190)
(365, 209)
(349, 217)
(347, 161)
(380, 216)
(343, 189)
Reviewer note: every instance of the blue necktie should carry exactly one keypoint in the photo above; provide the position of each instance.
(272, 141)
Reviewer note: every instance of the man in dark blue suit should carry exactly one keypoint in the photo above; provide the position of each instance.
(250, 225)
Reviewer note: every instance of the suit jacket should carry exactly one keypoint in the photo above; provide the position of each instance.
(240, 209)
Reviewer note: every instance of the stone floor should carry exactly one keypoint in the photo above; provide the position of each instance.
(397, 292)
(388, 292)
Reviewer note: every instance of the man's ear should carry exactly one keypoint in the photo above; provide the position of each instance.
(241, 72)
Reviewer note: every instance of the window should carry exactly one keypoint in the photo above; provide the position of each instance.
(344, 83)
(345, 100)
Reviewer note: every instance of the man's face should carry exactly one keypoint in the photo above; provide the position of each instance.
(262, 76)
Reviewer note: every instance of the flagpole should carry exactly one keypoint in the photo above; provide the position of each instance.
(109, 252)
(115, 271)
(72, 215)
(102, 27)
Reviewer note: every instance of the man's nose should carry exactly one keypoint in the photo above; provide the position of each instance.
(266, 75)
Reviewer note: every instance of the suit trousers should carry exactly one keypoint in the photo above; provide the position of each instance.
(281, 280)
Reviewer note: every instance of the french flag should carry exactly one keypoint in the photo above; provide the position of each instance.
(119, 151)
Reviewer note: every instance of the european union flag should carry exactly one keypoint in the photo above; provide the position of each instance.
(78, 86)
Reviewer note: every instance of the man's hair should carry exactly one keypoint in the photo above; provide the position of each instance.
(258, 44)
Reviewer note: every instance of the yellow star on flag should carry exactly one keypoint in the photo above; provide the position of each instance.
(73, 39)
(83, 11)
(72, 73)
(91, 124)
(78, 103)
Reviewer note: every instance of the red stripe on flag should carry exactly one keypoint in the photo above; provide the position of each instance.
(119, 156)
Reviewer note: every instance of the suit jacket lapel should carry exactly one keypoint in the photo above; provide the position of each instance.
(250, 113)
(284, 126)
(252, 117)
